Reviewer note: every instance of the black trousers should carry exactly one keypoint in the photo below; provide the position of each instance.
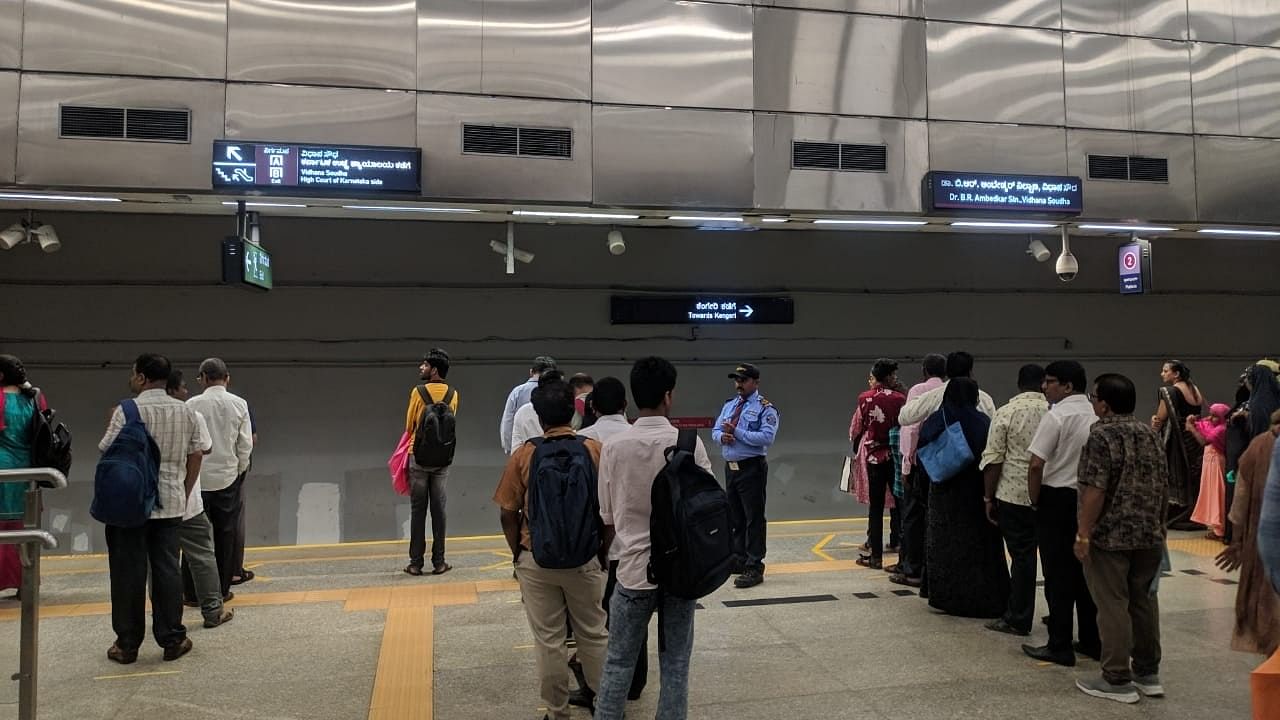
(1018, 525)
(746, 490)
(879, 479)
(131, 554)
(641, 674)
(915, 521)
(237, 558)
(223, 508)
(1064, 584)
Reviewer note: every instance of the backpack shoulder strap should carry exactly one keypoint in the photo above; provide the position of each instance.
(687, 440)
(448, 397)
(130, 410)
(426, 395)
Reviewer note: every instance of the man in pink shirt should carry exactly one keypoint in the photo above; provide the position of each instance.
(915, 486)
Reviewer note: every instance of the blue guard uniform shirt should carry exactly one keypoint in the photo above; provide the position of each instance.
(757, 427)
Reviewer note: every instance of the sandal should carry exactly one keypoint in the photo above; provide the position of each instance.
(413, 570)
(242, 578)
(441, 569)
(870, 562)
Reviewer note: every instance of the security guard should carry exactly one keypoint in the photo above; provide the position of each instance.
(745, 430)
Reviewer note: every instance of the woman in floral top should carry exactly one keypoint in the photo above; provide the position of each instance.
(876, 415)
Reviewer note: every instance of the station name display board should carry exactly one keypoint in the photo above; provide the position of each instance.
(701, 310)
(316, 168)
(1135, 267)
(951, 192)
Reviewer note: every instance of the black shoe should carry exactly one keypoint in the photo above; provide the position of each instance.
(634, 694)
(1093, 653)
(737, 568)
(999, 625)
(1044, 654)
(908, 580)
(173, 652)
(749, 578)
(583, 698)
(1044, 620)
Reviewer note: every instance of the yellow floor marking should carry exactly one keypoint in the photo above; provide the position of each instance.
(1200, 547)
(315, 596)
(374, 598)
(496, 585)
(138, 675)
(402, 688)
(817, 549)
(521, 647)
(269, 598)
(810, 567)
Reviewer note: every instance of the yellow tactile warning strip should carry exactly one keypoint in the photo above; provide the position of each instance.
(402, 688)
(1200, 547)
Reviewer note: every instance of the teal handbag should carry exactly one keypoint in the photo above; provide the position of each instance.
(948, 454)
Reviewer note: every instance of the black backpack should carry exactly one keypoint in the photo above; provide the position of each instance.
(436, 438)
(692, 540)
(50, 439)
(564, 505)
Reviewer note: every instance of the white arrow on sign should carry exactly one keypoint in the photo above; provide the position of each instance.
(233, 153)
(747, 310)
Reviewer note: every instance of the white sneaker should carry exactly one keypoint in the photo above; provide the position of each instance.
(1149, 685)
(1100, 688)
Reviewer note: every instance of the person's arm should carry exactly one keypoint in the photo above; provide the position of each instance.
(508, 418)
(768, 431)
(1043, 445)
(1162, 414)
(1035, 478)
(990, 481)
(113, 429)
(1091, 501)
(717, 430)
(509, 497)
(244, 444)
(986, 404)
(413, 413)
(607, 534)
(700, 457)
(1195, 431)
(511, 529)
(193, 470)
(919, 408)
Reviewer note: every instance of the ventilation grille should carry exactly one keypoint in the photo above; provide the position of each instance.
(1130, 168)
(113, 123)
(521, 141)
(811, 155)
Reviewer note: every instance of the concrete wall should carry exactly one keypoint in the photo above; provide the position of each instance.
(328, 357)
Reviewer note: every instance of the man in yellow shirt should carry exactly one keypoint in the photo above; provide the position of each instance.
(427, 483)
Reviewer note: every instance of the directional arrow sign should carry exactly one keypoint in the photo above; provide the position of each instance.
(233, 153)
(704, 309)
(748, 311)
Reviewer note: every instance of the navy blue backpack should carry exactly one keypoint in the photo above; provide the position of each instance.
(564, 505)
(126, 483)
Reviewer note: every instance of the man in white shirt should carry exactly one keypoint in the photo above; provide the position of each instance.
(1052, 486)
(919, 408)
(526, 425)
(200, 585)
(220, 477)
(519, 397)
(153, 547)
(629, 463)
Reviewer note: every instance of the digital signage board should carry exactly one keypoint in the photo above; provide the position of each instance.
(960, 192)
(323, 169)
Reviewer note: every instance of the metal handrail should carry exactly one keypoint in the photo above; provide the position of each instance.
(30, 540)
(45, 477)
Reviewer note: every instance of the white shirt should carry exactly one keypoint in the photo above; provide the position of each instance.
(176, 430)
(605, 427)
(629, 462)
(195, 503)
(516, 399)
(524, 425)
(228, 418)
(1060, 438)
(918, 409)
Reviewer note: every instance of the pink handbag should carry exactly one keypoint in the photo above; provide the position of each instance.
(399, 465)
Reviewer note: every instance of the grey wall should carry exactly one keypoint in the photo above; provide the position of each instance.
(673, 104)
(328, 357)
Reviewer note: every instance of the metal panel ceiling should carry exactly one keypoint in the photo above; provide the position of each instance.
(1122, 83)
(372, 43)
(450, 40)
(681, 158)
(906, 8)
(998, 148)
(447, 172)
(176, 38)
(660, 52)
(1174, 201)
(1139, 18)
(10, 33)
(8, 126)
(1248, 22)
(1236, 89)
(321, 115)
(537, 48)
(995, 74)
(45, 159)
(1032, 13)
(779, 186)
(1237, 178)
(841, 64)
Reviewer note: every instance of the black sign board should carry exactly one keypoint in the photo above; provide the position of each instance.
(1135, 267)
(701, 310)
(957, 192)
(336, 169)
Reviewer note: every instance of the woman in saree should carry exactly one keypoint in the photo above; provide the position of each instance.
(1179, 399)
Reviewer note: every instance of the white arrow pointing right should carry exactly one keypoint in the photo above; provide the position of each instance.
(747, 310)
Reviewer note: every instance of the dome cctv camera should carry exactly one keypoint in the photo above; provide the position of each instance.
(616, 244)
(1067, 267)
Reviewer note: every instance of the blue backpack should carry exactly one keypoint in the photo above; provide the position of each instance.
(564, 506)
(126, 483)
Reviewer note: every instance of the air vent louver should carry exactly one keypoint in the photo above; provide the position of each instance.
(522, 141)
(864, 158)
(1148, 169)
(812, 155)
(114, 123)
(1108, 167)
(1131, 168)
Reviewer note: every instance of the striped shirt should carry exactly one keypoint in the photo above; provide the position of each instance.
(176, 430)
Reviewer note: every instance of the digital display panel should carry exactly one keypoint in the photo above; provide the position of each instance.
(1135, 267)
(952, 192)
(701, 310)
(315, 168)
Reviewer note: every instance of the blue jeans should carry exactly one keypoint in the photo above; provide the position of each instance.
(629, 614)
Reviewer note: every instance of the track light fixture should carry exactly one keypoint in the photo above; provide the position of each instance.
(33, 231)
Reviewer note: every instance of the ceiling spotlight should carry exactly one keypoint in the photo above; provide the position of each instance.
(616, 244)
(1039, 251)
(12, 236)
(500, 247)
(48, 238)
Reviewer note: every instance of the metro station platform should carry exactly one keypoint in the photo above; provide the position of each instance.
(339, 632)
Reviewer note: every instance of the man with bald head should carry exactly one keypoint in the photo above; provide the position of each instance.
(221, 474)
